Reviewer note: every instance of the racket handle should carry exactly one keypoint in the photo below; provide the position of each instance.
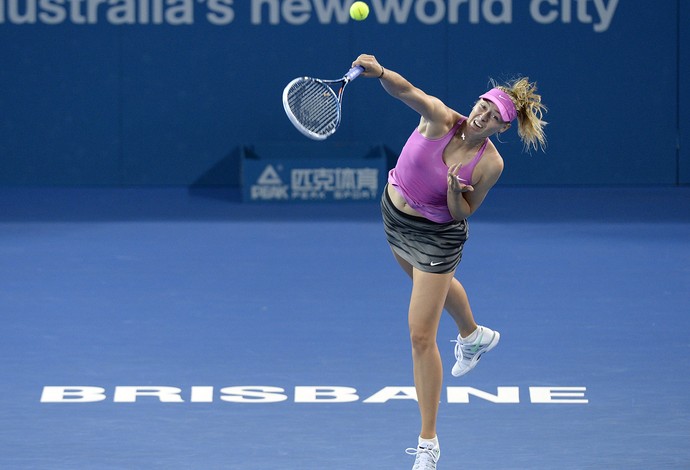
(354, 72)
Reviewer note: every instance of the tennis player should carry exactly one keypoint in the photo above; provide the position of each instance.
(443, 174)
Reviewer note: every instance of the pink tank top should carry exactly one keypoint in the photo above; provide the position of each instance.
(421, 176)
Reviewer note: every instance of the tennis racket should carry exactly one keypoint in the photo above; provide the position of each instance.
(313, 106)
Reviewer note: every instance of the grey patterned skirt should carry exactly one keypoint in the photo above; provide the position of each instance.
(428, 246)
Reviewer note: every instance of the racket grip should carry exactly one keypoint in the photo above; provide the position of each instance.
(354, 72)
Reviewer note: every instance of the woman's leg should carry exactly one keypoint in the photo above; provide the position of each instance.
(426, 305)
(456, 303)
(429, 292)
(458, 306)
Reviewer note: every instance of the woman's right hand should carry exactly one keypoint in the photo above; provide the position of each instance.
(372, 68)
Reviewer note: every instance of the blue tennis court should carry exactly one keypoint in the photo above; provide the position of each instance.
(167, 328)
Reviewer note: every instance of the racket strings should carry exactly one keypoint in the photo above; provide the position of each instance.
(315, 106)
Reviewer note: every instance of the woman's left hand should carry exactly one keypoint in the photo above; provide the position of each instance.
(455, 183)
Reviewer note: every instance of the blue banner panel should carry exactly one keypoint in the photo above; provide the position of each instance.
(323, 173)
(684, 94)
(160, 92)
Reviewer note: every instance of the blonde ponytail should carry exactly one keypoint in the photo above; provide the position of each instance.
(530, 111)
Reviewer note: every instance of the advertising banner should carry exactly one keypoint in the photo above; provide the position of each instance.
(317, 174)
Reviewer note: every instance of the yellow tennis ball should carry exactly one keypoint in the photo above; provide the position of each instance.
(359, 11)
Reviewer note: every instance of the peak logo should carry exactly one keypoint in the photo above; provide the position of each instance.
(269, 186)
(311, 180)
(251, 394)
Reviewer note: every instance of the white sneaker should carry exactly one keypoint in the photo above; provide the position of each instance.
(467, 355)
(427, 454)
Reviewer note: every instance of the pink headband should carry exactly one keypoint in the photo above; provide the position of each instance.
(503, 102)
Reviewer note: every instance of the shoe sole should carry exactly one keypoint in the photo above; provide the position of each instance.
(478, 356)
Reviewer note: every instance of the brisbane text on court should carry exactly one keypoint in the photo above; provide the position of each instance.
(246, 394)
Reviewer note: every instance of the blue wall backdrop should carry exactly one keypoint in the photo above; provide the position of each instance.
(684, 94)
(165, 92)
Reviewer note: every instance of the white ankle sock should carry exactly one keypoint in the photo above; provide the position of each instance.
(434, 441)
(471, 337)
